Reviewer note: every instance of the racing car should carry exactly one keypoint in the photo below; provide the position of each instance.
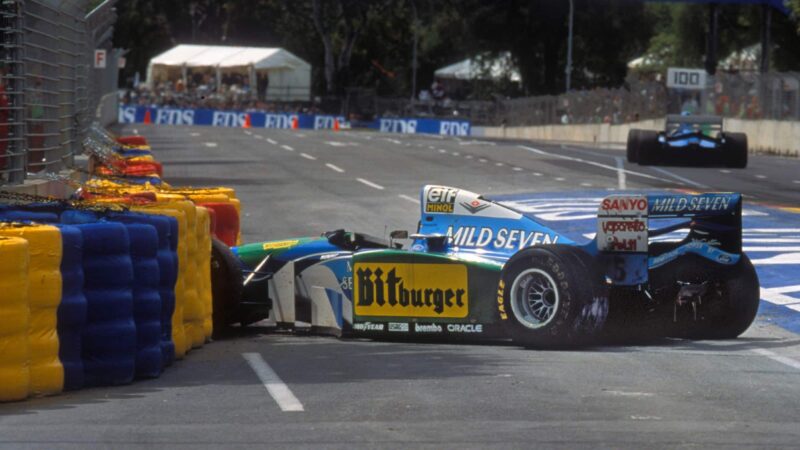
(477, 269)
(688, 140)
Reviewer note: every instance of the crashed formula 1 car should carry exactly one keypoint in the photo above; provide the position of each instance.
(688, 140)
(478, 269)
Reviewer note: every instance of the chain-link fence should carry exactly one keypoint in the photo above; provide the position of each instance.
(774, 96)
(49, 87)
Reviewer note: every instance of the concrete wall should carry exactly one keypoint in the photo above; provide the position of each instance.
(763, 135)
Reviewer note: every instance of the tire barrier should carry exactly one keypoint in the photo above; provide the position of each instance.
(175, 211)
(146, 299)
(167, 260)
(112, 285)
(44, 297)
(109, 339)
(132, 140)
(226, 221)
(15, 376)
(73, 308)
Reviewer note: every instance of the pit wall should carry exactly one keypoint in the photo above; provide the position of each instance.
(771, 136)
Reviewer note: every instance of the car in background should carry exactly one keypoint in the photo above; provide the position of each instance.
(688, 140)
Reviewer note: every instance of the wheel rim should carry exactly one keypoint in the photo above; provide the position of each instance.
(534, 298)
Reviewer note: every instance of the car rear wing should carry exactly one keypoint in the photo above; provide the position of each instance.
(632, 226)
(694, 120)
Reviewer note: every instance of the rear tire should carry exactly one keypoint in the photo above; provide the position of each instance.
(226, 287)
(649, 150)
(730, 305)
(553, 296)
(633, 145)
(736, 150)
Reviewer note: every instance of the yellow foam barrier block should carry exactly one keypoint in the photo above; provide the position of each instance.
(176, 211)
(15, 353)
(204, 271)
(44, 296)
(193, 306)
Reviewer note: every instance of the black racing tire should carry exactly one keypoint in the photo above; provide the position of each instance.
(226, 287)
(571, 303)
(649, 150)
(632, 148)
(730, 305)
(736, 150)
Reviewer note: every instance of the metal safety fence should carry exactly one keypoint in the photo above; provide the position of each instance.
(754, 96)
(48, 87)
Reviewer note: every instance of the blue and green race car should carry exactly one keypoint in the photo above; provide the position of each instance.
(478, 270)
(688, 140)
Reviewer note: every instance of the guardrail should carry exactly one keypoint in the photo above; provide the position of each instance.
(48, 88)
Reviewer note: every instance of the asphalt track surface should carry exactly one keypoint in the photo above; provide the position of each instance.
(265, 390)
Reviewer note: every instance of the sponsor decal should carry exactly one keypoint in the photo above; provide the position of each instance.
(618, 205)
(474, 206)
(465, 328)
(397, 290)
(501, 307)
(502, 238)
(368, 326)
(174, 117)
(427, 328)
(440, 200)
(228, 119)
(622, 234)
(279, 244)
(693, 204)
(399, 327)
(614, 226)
(617, 244)
(406, 126)
(450, 128)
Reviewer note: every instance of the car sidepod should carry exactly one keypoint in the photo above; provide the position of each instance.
(425, 295)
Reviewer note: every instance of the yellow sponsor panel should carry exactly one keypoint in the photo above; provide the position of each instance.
(408, 290)
(279, 244)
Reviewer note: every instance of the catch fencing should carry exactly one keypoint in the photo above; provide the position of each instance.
(49, 88)
(753, 96)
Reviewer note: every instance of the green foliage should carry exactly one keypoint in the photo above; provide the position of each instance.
(371, 40)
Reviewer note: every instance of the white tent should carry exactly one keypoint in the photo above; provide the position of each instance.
(289, 76)
(481, 68)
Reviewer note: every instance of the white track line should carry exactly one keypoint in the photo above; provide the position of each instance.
(258, 136)
(409, 198)
(680, 178)
(272, 141)
(279, 391)
(761, 177)
(287, 148)
(370, 184)
(307, 156)
(622, 182)
(518, 169)
(210, 144)
(248, 132)
(776, 357)
(334, 167)
(592, 163)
